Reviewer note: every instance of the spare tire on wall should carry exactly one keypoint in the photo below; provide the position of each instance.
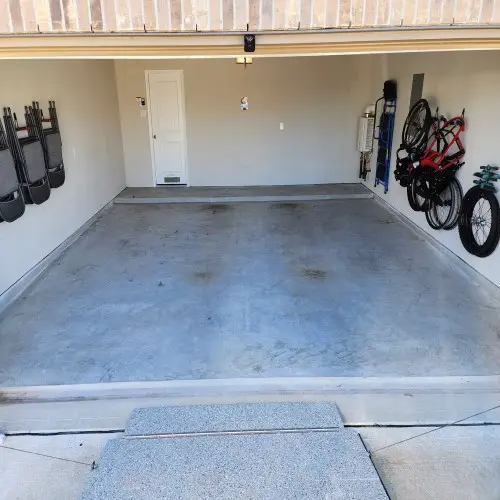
(479, 224)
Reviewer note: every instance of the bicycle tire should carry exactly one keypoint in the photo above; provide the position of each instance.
(418, 179)
(409, 193)
(431, 218)
(455, 217)
(470, 222)
(445, 213)
(417, 126)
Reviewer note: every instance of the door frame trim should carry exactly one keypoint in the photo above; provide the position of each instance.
(148, 73)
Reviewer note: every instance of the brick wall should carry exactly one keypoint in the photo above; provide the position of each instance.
(53, 16)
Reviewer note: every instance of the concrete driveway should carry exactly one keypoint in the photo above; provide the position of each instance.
(456, 463)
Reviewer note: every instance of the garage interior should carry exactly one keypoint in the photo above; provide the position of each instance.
(274, 275)
(339, 287)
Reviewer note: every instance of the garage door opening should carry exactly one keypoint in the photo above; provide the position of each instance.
(324, 276)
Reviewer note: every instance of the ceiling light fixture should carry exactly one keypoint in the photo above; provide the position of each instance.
(244, 60)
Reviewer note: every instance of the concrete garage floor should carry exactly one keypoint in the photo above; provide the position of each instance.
(188, 291)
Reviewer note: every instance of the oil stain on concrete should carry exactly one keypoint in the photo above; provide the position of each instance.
(285, 206)
(217, 208)
(314, 274)
(203, 277)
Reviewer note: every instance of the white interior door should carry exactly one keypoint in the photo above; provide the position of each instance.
(167, 126)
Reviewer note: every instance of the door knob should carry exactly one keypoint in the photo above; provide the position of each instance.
(154, 136)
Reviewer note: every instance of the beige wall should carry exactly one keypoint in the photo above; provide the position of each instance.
(453, 81)
(85, 95)
(315, 97)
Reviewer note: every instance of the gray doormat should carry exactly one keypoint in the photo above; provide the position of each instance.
(236, 417)
(322, 461)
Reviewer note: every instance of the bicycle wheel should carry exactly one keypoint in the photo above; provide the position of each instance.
(418, 188)
(457, 206)
(409, 192)
(432, 220)
(416, 127)
(479, 225)
(443, 207)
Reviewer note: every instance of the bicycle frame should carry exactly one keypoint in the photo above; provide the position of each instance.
(437, 156)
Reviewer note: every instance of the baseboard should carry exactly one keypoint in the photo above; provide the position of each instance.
(25, 282)
(461, 265)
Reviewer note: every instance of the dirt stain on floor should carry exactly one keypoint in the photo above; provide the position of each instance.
(383, 221)
(285, 206)
(203, 277)
(217, 208)
(314, 274)
(122, 243)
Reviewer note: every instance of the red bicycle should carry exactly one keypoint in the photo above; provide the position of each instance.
(433, 188)
(446, 147)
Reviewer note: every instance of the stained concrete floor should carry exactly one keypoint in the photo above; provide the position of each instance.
(334, 288)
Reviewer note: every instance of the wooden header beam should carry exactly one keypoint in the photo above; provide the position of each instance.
(206, 46)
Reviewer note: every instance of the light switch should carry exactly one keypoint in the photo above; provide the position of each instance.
(282, 126)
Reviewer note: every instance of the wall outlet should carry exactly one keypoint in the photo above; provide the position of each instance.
(282, 126)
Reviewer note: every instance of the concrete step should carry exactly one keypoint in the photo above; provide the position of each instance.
(276, 194)
(362, 401)
(305, 465)
(171, 420)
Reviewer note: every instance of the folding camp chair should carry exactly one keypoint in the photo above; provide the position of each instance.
(50, 139)
(28, 157)
(11, 197)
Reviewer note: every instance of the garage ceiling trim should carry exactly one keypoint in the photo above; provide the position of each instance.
(268, 45)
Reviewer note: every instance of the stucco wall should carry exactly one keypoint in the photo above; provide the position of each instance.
(316, 98)
(85, 95)
(453, 81)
